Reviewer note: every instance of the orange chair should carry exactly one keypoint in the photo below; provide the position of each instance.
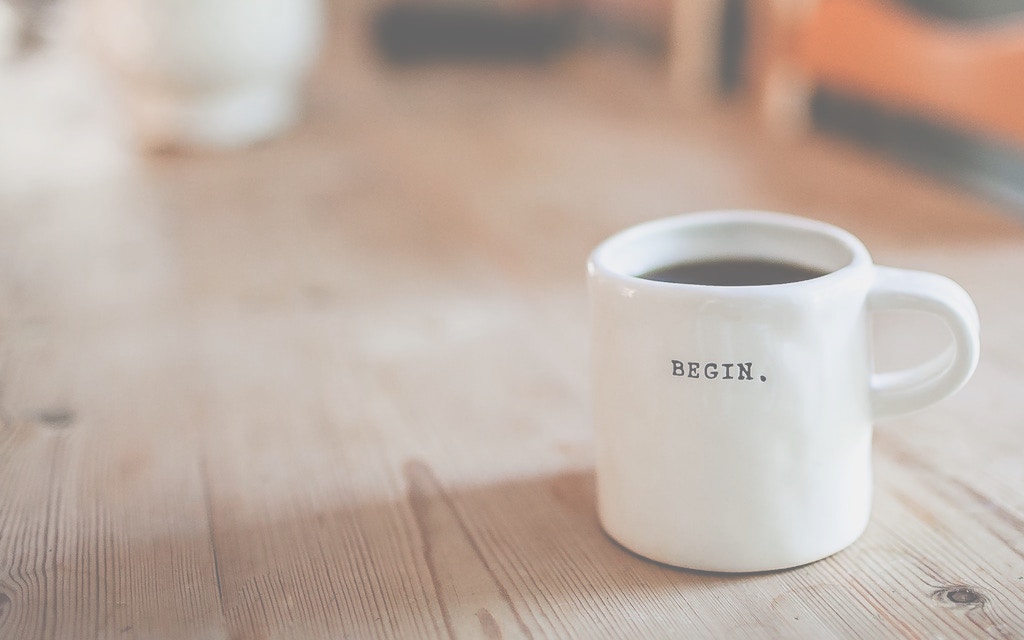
(968, 75)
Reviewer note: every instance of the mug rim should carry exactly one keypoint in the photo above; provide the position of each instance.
(598, 264)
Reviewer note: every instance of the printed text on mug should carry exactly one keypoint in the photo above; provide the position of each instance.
(714, 370)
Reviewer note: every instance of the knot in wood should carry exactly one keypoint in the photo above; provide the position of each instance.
(963, 595)
(59, 418)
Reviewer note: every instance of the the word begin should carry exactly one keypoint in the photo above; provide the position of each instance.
(714, 370)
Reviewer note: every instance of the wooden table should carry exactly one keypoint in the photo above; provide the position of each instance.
(336, 386)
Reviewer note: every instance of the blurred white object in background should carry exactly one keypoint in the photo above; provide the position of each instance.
(10, 31)
(207, 73)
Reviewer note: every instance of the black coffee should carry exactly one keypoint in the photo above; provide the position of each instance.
(733, 272)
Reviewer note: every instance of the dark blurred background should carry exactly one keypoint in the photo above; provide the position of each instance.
(968, 55)
(978, 157)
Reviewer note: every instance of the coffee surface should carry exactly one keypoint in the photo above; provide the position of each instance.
(733, 272)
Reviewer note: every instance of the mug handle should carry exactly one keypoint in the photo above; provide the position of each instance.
(911, 389)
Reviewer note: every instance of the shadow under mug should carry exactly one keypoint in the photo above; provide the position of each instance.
(733, 423)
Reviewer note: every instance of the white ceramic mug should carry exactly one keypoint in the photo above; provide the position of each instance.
(207, 73)
(733, 423)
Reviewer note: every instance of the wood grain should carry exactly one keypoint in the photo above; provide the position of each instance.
(336, 386)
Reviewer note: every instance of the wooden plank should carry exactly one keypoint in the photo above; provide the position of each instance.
(105, 529)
